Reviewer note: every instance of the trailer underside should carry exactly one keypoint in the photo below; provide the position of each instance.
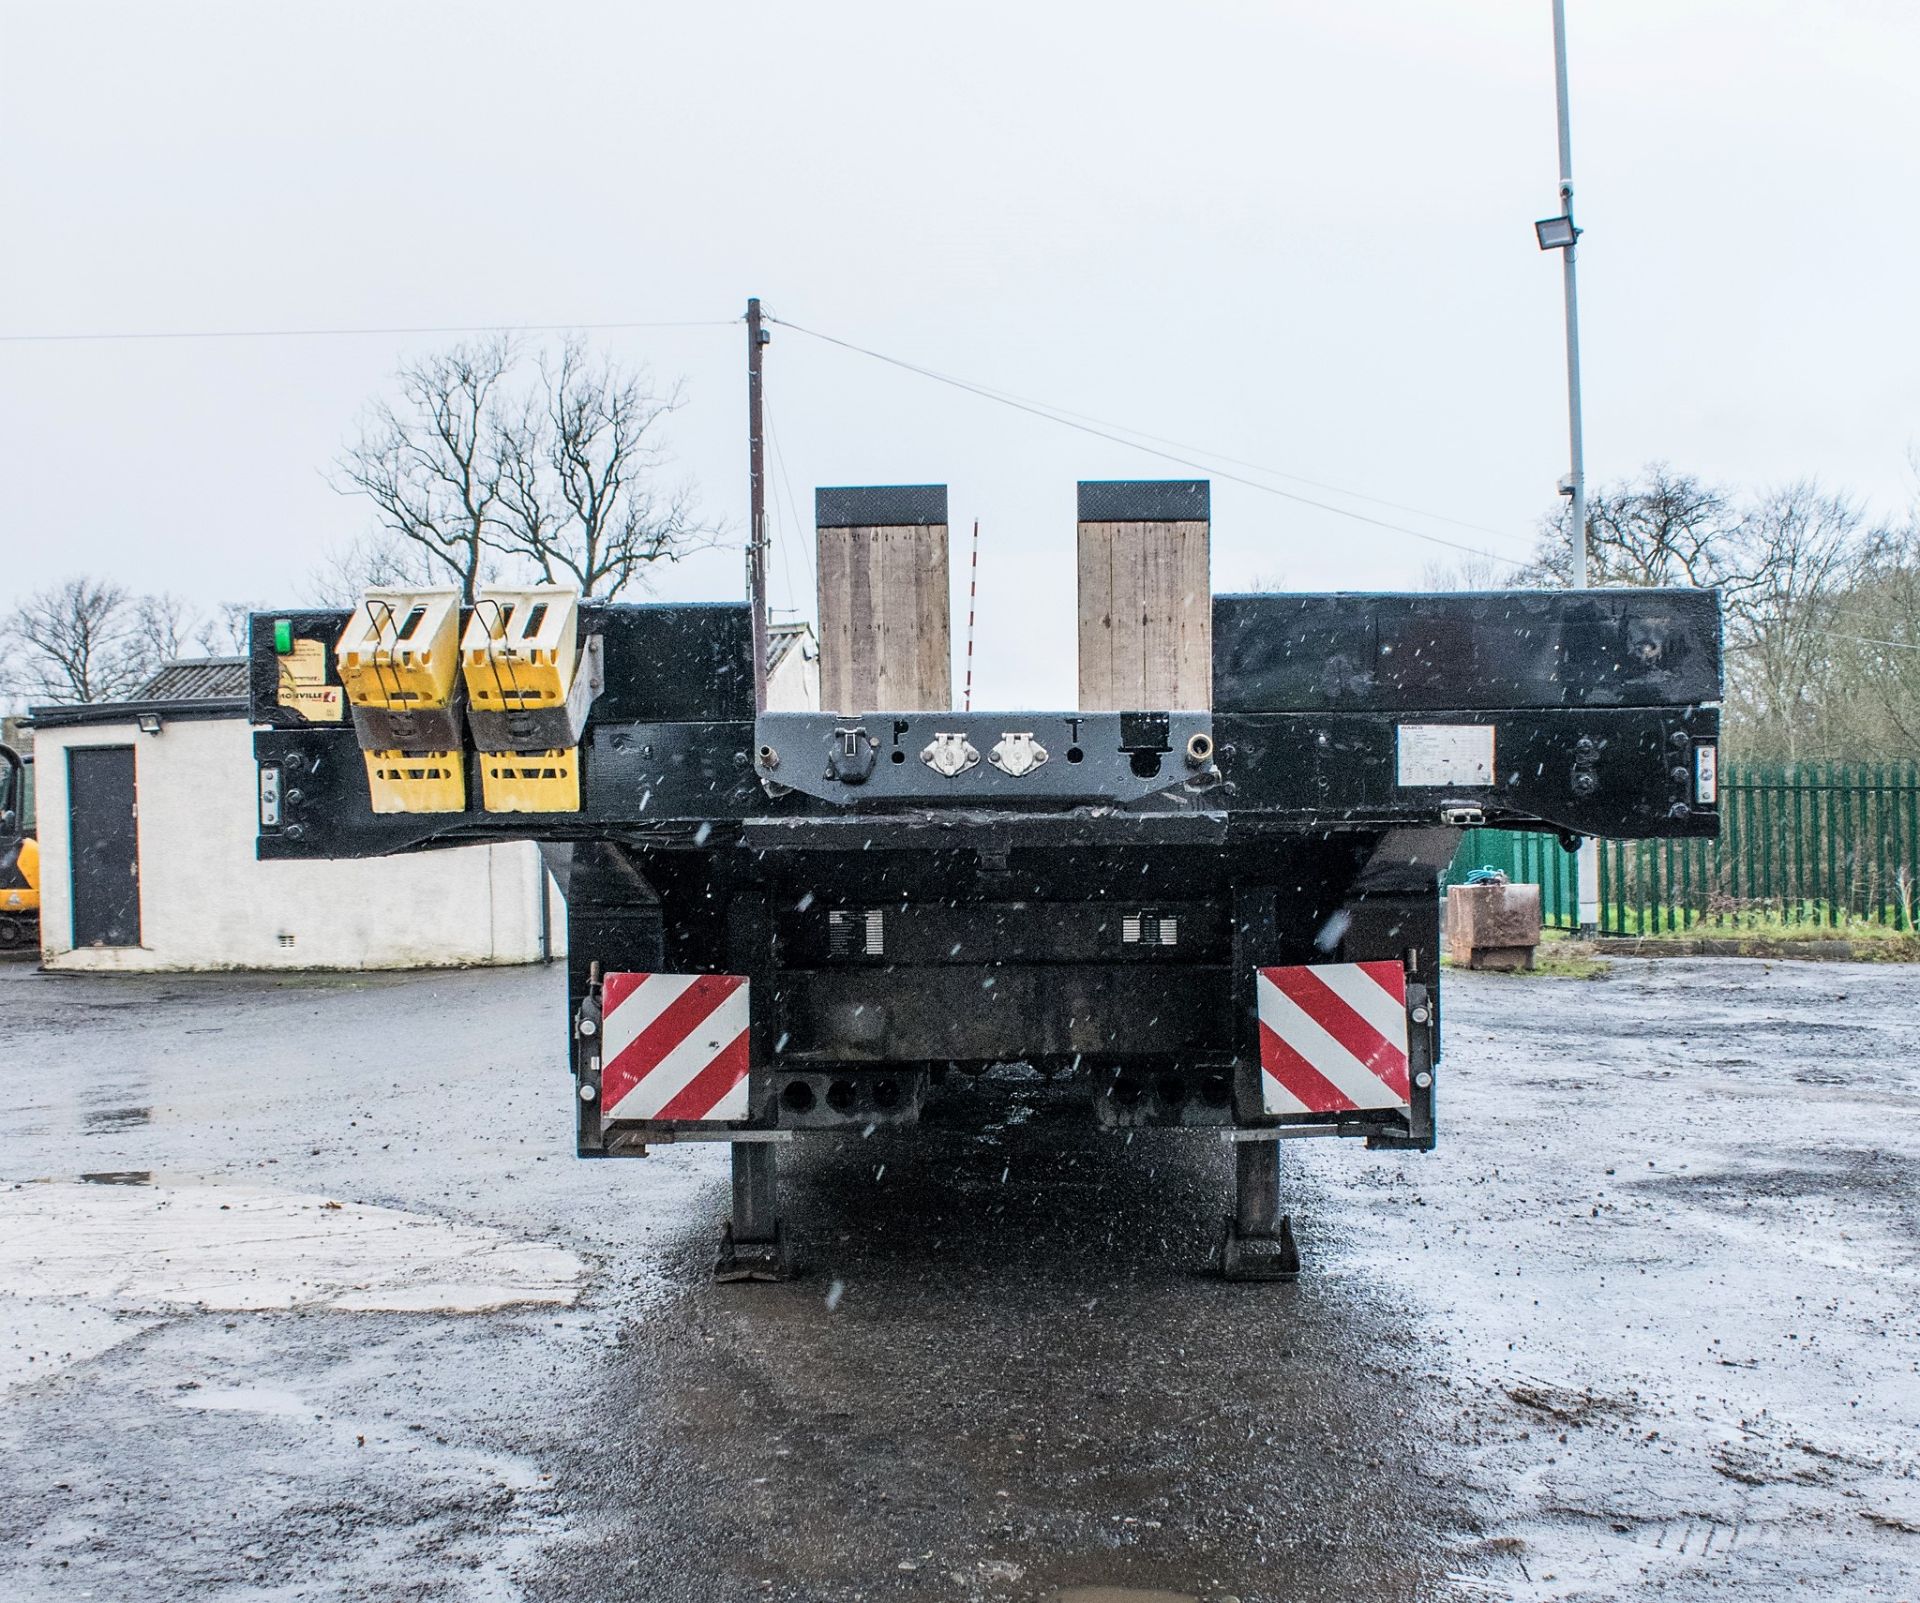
(1223, 919)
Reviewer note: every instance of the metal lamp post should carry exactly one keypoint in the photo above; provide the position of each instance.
(1559, 233)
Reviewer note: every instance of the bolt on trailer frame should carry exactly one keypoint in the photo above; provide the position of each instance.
(1222, 919)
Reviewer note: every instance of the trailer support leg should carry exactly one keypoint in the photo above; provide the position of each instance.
(753, 1246)
(1259, 1241)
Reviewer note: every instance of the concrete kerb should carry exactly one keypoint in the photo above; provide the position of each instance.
(1818, 951)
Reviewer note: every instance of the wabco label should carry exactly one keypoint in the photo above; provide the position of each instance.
(1444, 754)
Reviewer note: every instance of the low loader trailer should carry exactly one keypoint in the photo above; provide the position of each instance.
(1208, 895)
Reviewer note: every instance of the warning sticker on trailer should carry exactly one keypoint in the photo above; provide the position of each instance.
(304, 687)
(1444, 754)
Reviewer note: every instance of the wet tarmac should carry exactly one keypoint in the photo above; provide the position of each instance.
(337, 1316)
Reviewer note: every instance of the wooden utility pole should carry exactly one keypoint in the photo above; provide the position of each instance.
(757, 338)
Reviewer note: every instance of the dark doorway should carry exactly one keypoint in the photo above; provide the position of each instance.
(104, 844)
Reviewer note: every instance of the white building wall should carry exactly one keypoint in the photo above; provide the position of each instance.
(794, 683)
(207, 903)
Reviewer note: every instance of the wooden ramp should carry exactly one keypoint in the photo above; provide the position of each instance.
(1146, 603)
(885, 644)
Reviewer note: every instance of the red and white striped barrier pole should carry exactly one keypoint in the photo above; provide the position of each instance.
(973, 595)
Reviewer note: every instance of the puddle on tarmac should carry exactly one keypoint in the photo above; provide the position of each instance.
(243, 1400)
(250, 1248)
(106, 1120)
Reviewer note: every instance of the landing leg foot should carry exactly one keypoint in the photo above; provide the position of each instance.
(1259, 1243)
(753, 1246)
(1274, 1257)
(752, 1260)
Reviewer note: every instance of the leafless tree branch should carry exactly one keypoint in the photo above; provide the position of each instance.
(557, 476)
(83, 640)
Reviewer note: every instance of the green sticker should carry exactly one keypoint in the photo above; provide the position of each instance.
(282, 636)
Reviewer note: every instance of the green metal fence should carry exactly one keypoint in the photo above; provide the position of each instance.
(1527, 860)
(1812, 843)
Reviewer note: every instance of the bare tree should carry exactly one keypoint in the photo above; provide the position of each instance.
(1473, 571)
(164, 625)
(90, 640)
(1663, 528)
(379, 558)
(1875, 647)
(605, 457)
(1795, 568)
(1797, 558)
(430, 465)
(224, 631)
(558, 476)
(84, 640)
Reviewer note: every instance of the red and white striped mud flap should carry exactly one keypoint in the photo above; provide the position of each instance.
(1333, 1037)
(674, 1047)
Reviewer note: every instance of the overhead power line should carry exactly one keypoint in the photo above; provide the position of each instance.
(1258, 467)
(1119, 434)
(786, 530)
(1865, 640)
(348, 333)
(1197, 458)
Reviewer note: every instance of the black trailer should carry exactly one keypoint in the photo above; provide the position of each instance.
(1223, 919)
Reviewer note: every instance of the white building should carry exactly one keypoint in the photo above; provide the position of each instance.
(147, 812)
(793, 668)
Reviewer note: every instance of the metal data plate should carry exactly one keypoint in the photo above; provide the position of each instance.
(984, 758)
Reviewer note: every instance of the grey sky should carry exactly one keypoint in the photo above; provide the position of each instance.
(1298, 234)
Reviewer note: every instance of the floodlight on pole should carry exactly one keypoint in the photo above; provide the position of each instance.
(1556, 233)
(1559, 233)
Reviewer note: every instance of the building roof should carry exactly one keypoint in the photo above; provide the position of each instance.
(190, 687)
(196, 679)
(783, 638)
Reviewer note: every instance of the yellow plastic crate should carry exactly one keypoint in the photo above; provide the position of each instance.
(520, 646)
(400, 649)
(417, 782)
(531, 781)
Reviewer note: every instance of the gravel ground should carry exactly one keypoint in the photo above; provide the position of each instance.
(302, 1296)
